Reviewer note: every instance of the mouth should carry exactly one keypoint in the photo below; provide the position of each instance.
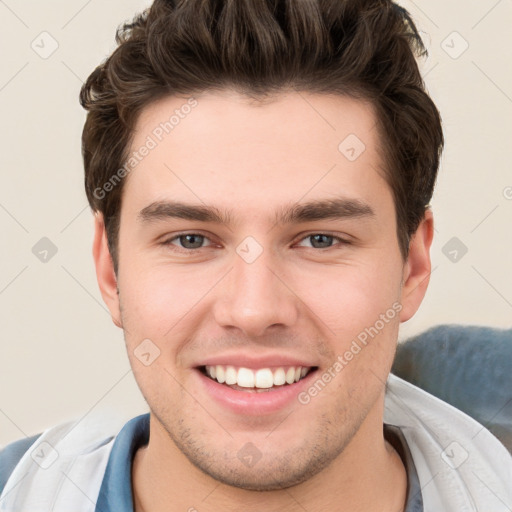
(258, 380)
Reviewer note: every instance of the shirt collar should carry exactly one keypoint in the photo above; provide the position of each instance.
(414, 500)
(116, 487)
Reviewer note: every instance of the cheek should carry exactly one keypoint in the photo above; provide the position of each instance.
(158, 302)
(349, 298)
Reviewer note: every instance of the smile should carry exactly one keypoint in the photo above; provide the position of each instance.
(262, 379)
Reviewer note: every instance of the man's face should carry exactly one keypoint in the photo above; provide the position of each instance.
(297, 265)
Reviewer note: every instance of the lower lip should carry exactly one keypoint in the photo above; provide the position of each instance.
(255, 403)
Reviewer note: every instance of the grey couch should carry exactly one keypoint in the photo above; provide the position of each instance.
(469, 367)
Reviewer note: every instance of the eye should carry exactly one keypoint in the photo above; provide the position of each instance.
(321, 241)
(188, 241)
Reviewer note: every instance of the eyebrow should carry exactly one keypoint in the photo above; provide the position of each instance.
(338, 208)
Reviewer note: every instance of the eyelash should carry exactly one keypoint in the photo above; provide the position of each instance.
(169, 242)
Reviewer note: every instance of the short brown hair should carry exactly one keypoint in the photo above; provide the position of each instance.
(365, 49)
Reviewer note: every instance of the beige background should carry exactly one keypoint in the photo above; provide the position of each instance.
(61, 357)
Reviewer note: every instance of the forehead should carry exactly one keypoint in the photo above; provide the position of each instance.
(227, 150)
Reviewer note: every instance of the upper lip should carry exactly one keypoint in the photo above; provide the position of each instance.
(254, 362)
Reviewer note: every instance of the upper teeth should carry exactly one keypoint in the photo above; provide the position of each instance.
(262, 378)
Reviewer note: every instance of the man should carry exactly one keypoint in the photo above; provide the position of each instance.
(260, 174)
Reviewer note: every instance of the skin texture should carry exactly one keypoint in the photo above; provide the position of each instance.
(255, 159)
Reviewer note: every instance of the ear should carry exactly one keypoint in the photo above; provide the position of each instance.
(105, 274)
(417, 268)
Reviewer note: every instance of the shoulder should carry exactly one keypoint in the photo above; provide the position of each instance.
(11, 454)
(460, 464)
(37, 471)
(466, 366)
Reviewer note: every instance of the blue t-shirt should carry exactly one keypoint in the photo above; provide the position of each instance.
(116, 489)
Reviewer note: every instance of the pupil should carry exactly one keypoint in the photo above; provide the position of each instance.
(321, 240)
(191, 241)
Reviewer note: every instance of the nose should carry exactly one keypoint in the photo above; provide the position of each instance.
(255, 297)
